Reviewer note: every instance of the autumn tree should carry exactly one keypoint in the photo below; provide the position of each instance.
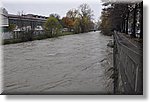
(80, 20)
(70, 19)
(105, 23)
(68, 22)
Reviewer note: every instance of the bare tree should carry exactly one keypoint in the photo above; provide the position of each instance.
(85, 14)
(73, 13)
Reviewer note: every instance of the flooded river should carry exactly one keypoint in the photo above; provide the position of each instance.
(72, 64)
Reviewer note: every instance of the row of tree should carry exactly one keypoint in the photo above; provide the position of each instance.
(123, 17)
(76, 20)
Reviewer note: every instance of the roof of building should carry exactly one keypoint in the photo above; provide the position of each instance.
(28, 16)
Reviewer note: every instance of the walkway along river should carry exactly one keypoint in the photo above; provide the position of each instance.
(73, 64)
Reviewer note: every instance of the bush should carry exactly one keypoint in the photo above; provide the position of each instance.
(106, 32)
(11, 41)
(27, 35)
(40, 37)
(52, 27)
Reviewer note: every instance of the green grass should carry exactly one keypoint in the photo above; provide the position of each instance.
(65, 33)
(11, 41)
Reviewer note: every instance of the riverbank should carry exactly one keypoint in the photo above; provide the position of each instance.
(39, 37)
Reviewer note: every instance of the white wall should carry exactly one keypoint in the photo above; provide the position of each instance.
(6, 35)
(4, 17)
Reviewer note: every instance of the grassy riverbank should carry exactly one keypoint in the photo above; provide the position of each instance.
(39, 37)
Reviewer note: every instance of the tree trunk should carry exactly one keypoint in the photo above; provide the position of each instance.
(141, 20)
(123, 26)
(134, 22)
(127, 20)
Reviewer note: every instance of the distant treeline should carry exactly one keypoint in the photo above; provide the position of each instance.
(76, 21)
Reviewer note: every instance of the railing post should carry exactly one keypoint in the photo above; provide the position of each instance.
(115, 66)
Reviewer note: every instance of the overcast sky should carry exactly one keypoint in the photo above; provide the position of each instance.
(46, 7)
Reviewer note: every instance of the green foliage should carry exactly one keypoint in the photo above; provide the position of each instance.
(55, 16)
(66, 33)
(105, 24)
(11, 27)
(77, 28)
(26, 35)
(11, 41)
(40, 37)
(52, 27)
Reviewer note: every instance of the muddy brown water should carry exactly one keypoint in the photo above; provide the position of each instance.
(72, 64)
